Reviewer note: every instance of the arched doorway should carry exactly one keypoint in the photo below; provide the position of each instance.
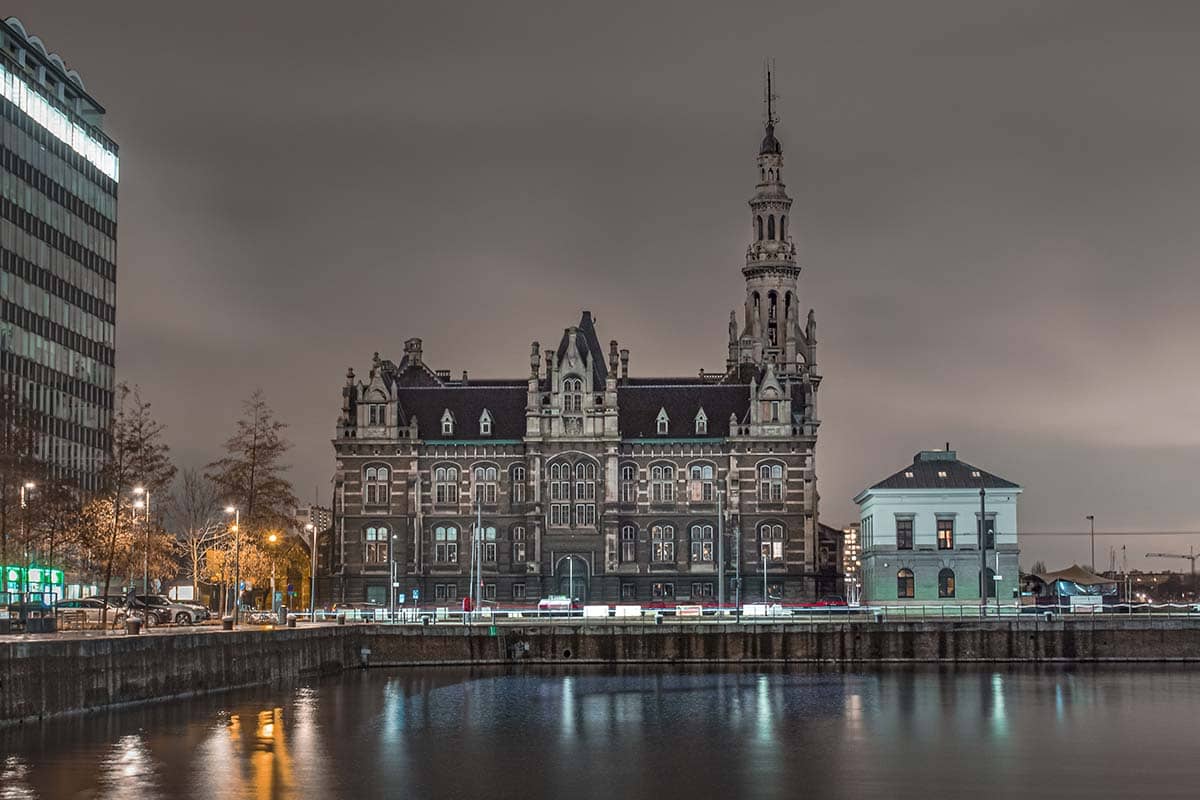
(571, 577)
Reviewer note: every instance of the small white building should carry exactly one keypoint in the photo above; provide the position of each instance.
(920, 533)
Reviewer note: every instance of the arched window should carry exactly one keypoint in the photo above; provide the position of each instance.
(662, 543)
(946, 583)
(628, 544)
(770, 483)
(771, 226)
(445, 544)
(518, 544)
(702, 543)
(990, 582)
(375, 548)
(701, 485)
(486, 481)
(628, 483)
(662, 483)
(572, 395)
(905, 584)
(517, 495)
(783, 227)
(375, 486)
(445, 485)
(758, 224)
(770, 541)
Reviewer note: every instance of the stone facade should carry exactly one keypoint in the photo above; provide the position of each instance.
(586, 480)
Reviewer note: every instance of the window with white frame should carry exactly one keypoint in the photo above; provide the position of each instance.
(560, 494)
(376, 546)
(662, 543)
(702, 543)
(662, 483)
(375, 486)
(517, 495)
(573, 493)
(489, 591)
(701, 423)
(628, 483)
(628, 544)
(663, 422)
(447, 423)
(518, 591)
(518, 544)
(485, 423)
(445, 544)
(770, 483)
(489, 544)
(445, 485)
(701, 483)
(572, 395)
(486, 484)
(770, 537)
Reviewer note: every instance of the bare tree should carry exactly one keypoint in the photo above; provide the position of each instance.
(195, 517)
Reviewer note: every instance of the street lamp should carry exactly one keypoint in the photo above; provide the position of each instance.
(237, 557)
(140, 491)
(1091, 518)
(273, 540)
(312, 590)
(28, 486)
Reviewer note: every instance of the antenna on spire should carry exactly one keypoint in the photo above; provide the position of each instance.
(769, 96)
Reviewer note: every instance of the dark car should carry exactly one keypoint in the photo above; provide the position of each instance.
(830, 600)
(168, 610)
(151, 616)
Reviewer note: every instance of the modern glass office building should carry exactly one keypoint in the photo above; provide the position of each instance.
(58, 253)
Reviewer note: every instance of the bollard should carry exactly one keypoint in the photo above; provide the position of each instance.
(226, 623)
(291, 620)
(341, 619)
(879, 616)
(1049, 617)
(283, 615)
(133, 626)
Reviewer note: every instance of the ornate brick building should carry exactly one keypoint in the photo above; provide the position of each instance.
(585, 479)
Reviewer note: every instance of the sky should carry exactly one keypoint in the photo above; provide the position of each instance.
(995, 208)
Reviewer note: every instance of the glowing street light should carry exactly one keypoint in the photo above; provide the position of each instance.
(312, 589)
(237, 558)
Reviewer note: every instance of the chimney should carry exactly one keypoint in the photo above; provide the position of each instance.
(464, 377)
(412, 349)
(535, 358)
(612, 357)
(624, 364)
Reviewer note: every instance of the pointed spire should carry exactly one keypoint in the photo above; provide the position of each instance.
(769, 143)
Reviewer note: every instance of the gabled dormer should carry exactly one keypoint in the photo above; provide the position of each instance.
(701, 422)
(485, 423)
(447, 423)
(662, 422)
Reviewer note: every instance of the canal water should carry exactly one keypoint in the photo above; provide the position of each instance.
(1087, 732)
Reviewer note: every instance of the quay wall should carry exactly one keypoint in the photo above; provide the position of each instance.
(61, 675)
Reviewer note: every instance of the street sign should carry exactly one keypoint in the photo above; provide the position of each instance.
(416, 594)
(400, 598)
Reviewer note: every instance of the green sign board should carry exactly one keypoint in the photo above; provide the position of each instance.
(31, 577)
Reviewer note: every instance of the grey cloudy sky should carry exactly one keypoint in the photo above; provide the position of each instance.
(995, 204)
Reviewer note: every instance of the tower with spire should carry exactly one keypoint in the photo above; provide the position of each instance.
(772, 332)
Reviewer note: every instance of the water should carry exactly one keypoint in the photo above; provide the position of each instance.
(656, 733)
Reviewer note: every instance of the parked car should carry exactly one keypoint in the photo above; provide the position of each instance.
(92, 609)
(179, 612)
(830, 600)
(558, 604)
(149, 616)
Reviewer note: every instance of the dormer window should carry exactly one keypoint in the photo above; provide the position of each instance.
(664, 422)
(485, 423)
(701, 423)
(376, 414)
(447, 423)
(941, 473)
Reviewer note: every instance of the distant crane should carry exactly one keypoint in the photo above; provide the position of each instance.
(1190, 556)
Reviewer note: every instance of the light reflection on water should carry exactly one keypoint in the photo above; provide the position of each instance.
(636, 733)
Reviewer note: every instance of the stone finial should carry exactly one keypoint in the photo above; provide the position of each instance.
(624, 364)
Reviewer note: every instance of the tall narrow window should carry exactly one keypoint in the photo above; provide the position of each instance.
(946, 583)
(662, 483)
(489, 544)
(701, 487)
(517, 495)
(518, 545)
(905, 585)
(771, 226)
(783, 227)
(945, 533)
(904, 534)
(572, 395)
(628, 544)
(486, 478)
(662, 543)
(771, 541)
(560, 494)
(445, 541)
(628, 483)
(445, 485)
(758, 225)
(702, 543)
(770, 483)
(375, 486)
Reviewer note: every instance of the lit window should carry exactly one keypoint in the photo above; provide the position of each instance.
(941, 473)
(771, 541)
(908, 474)
(974, 473)
(946, 583)
(376, 548)
(662, 543)
(945, 534)
(702, 543)
(905, 584)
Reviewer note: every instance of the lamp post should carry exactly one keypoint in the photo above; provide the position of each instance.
(312, 589)
(237, 555)
(983, 576)
(26, 487)
(141, 491)
(720, 551)
(273, 540)
(1091, 518)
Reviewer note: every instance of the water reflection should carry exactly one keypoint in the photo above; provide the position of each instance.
(634, 733)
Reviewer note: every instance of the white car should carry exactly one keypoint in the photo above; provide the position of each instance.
(92, 609)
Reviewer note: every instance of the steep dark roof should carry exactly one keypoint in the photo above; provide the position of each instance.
(769, 143)
(640, 403)
(928, 464)
(505, 403)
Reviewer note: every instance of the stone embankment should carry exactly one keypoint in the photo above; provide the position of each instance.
(65, 675)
